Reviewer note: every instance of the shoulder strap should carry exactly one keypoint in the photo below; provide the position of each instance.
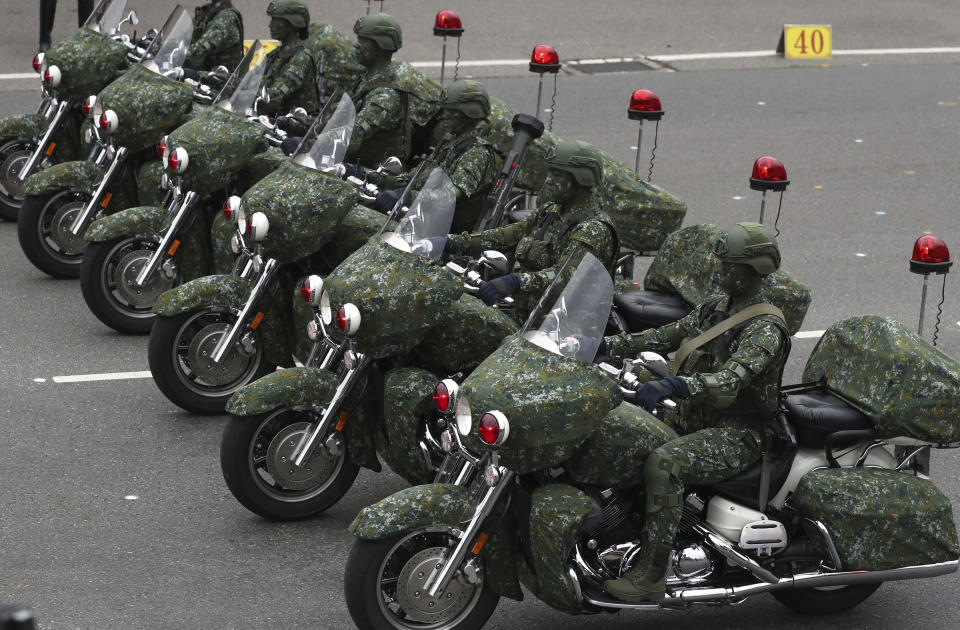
(715, 331)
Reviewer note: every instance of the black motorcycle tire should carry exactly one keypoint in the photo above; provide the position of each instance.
(173, 382)
(31, 227)
(255, 494)
(103, 304)
(816, 601)
(9, 168)
(362, 584)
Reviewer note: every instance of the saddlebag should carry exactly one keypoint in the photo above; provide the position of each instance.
(878, 519)
(904, 384)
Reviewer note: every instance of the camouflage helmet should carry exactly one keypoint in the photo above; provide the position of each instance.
(750, 244)
(580, 159)
(467, 96)
(293, 11)
(382, 28)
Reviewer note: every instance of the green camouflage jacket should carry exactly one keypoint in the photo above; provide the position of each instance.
(382, 127)
(738, 374)
(217, 37)
(334, 59)
(290, 78)
(472, 164)
(543, 241)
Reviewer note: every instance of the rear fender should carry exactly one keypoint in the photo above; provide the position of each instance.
(129, 222)
(291, 387)
(221, 290)
(66, 176)
(26, 126)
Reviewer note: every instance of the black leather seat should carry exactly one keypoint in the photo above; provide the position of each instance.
(648, 309)
(745, 487)
(815, 415)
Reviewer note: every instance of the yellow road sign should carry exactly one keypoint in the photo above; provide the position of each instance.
(807, 41)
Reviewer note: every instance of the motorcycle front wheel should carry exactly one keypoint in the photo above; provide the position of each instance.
(13, 155)
(179, 354)
(255, 455)
(43, 227)
(825, 600)
(384, 586)
(108, 283)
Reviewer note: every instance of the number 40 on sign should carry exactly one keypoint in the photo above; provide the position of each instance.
(807, 41)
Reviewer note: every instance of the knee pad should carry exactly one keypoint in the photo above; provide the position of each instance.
(661, 477)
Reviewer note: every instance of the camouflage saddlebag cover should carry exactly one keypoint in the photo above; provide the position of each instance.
(906, 386)
(686, 266)
(878, 519)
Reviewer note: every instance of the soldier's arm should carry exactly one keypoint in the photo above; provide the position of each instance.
(222, 33)
(381, 110)
(590, 236)
(759, 350)
(473, 173)
(297, 72)
(503, 239)
(664, 339)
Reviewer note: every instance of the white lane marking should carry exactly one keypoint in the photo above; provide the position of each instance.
(23, 75)
(108, 376)
(39, 380)
(743, 54)
(809, 334)
(131, 497)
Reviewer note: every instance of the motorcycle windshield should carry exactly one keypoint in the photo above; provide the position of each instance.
(574, 323)
(429, 216)
(324, 150)
(242, 88)
(169, 48)
(106, 17)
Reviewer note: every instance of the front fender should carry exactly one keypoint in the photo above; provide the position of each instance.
(221, 290)
(68, 175)
(284, 388)
(22, 126)
(430, 505)
(129, 222)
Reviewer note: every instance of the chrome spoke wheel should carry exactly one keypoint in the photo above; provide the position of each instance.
(13, 155)
(118, 278)
(53, 228)
(271, 454)
(192, 355)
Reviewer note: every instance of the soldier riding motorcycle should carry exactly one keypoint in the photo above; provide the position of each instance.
(217, 333)
(556, 505)
(129, 114)
(80, 65)
(136, 254)
(391, 323)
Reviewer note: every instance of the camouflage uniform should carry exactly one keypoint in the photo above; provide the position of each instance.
(333, 57)
(290, 78)
(383, 126)
(543, 241)
(217, 37)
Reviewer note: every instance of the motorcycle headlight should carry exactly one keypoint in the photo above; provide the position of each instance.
(326, 312)
(257, 226)
(445, 395)
(493, 428)
(52, 76)
(348, 319)
(310, 289)
(178, 159)
(231, 208)
(464, 419)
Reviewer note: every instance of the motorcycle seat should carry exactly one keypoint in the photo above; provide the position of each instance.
(815, 415)
(745, 487)
(649, 309)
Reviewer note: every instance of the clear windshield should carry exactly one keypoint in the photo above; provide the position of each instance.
(243, 86)
(169, 49)
(324, 150)
(106, 16)
(572, 323)
(429, 216)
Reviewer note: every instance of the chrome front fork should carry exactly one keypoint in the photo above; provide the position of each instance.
(448, 566)
(459, 465)
(83, 218)
(180, 210)
(308, 443)
(41, 149)
(228, 340)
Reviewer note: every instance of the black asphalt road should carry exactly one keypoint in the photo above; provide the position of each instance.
(871, 153)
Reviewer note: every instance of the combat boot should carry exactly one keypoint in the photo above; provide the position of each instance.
(644, 581)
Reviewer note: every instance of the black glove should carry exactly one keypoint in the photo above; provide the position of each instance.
(498, 288)
(283, 123)
(649, 394)
(190, 73)
(353, 170)
(386, 200)
(289, 145)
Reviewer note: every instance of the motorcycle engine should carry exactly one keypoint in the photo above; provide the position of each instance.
(690, 564)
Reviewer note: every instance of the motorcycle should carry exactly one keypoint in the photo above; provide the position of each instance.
(129, 114)
(298, 436)
(82, 64)
(217, 333)
(136, 254)
(555, 505)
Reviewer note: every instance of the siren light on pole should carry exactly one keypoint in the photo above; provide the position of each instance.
(768, 174)
(448, 24)
(645, 105)
(545, 59)
(930, 255)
